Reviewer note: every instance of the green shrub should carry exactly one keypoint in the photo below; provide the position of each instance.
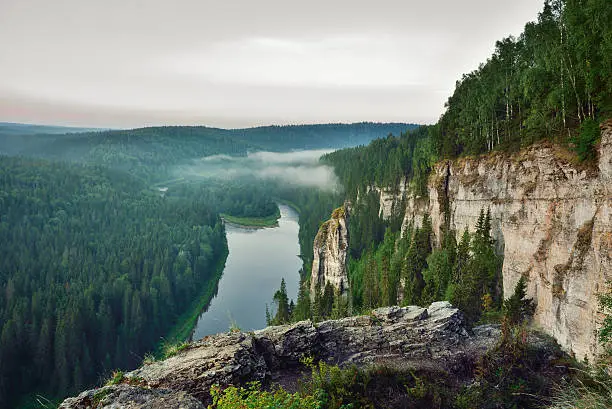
(584, 142)
(253, 397)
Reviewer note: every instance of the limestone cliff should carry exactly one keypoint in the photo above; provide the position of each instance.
(552, 221)
(331, 252)
(420, 338)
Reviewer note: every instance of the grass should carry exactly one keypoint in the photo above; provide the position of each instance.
(99, 397)
(38, 401)
(171, 349)
(594, 392)
(187, 321)
(268, 221)
(116, 378)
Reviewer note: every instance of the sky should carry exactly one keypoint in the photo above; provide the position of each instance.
(241, 63)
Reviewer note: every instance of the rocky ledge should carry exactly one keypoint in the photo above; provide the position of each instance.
(432, 337)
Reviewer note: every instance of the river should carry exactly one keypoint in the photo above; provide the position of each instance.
(258, 259)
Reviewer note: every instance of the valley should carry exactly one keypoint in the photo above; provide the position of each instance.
(460, 258)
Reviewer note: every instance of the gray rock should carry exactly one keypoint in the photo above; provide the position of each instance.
(132, 397)
(435, 336)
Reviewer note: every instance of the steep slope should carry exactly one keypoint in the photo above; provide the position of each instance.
(552, 221)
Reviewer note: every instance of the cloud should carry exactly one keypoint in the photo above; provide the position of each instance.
(242, 63)
(299, 168)
(355, 60)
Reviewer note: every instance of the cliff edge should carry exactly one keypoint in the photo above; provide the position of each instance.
(432, 337)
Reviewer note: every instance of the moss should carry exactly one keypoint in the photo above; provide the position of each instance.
(322, 234)
(584, 238)
(338, 213)
(99, 396)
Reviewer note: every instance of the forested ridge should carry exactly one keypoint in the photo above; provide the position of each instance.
(152, 153)
(94, 271)
(552, 82)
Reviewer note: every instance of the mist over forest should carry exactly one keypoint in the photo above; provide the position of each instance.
(297, 169)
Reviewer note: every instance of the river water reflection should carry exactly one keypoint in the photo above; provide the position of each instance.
(257, 260)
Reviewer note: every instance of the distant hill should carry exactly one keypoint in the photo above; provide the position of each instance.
(147, 152)
(10, 128)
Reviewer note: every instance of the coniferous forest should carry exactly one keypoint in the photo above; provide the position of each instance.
(94, 272)
(107, 241)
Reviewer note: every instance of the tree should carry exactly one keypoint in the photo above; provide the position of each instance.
(281, 300)
(302, 308)
(516, 308)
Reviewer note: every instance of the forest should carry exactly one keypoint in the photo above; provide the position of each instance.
(153, 153)
(553, 82)
(94, 271)
(106, 246)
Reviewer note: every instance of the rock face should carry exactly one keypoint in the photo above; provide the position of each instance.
(552, 221)
(391, 198)
(417, 337)
(331, 253)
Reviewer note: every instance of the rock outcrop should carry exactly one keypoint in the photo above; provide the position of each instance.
(432, 337)
(552, 221)
(331, 253)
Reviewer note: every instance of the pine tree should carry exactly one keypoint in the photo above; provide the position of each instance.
(282, 305)
(517, 307)
(302, 308)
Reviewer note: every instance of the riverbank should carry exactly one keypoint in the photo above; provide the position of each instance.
(259, 260)
(252, 222)
(185, 324)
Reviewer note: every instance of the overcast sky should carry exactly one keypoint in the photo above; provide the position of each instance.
(235, 63)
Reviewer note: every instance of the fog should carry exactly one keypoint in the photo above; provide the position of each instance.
(300, 168)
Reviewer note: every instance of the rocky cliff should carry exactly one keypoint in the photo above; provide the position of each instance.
(419, 338)
(331, 252)
(552, 220)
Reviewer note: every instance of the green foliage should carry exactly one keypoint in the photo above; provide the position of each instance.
(517, 307)
(94, 270)
(281, 301)
(587, 390)
(116, 378)
(477, 270)
(513, 374)
(386, 162)
(549, 82)
(338, 388)
(584, 142)
(302, 308)
(254, 398)
(171, 349)
(152, 153)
